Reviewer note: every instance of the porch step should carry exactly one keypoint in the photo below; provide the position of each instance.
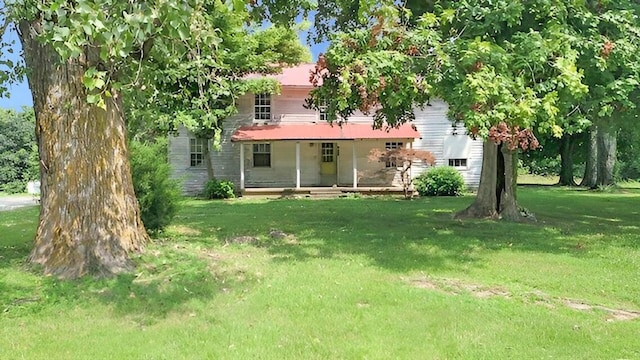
(325, 193)
(320, 192)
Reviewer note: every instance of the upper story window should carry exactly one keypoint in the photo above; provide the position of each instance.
(262, 155)
(262, 107)
(196, 151)
(392, 146)
(322, 109)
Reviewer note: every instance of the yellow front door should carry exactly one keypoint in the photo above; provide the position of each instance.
(328, 168)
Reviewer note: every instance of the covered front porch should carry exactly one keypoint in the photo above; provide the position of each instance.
(310, 156)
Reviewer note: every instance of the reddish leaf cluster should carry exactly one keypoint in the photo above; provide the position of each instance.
(376, 30)
(350, 43)
(514, 137)
(607, 48)
(320, 69)
(413, 51)
(369, 99)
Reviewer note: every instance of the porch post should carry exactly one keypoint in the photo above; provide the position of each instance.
(355, 166)
(410, 144)
(298, 165)
(241, 165)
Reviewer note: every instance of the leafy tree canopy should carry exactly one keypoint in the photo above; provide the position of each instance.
(117, 36)
(504, 67)
(199, 87)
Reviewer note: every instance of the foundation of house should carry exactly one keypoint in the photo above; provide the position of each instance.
(320, 192)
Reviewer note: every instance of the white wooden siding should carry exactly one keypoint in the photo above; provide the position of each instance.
(433, 125)
(192, 178)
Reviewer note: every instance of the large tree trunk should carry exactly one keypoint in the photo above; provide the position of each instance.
(207, 159)
(496, 196)
(89, 216)
(566, 161)
(508, 206)
(591, 169)
(607, 143)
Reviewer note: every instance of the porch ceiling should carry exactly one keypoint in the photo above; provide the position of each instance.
(322, 131)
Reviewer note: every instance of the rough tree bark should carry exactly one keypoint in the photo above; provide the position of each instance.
(591, 169)
(207, 159)
(89, 216)
(607, 144)
(566, 161)
(496, 197)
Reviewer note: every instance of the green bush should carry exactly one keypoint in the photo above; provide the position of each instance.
(628, 170)
(440, 181)
(218, 189)
(14, 187)
(157, 193)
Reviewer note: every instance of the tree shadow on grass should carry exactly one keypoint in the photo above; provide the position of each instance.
(166, 281)
(440, 244)
(420, 235)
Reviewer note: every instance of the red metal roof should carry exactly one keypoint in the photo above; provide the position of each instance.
(293, 76)
(322, 131)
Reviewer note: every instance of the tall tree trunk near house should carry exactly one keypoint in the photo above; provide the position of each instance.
(89, 216)
(566, 161)
(207, 159)
(607, 147)
(591, 170)
(496, 197)
(508, 205)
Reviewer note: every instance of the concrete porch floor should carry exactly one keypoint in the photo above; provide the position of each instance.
(325, 192)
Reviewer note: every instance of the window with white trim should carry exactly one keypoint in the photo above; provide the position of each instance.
(196, 151)
(322, 109)
(262, 155)
(262, 107)
(458, 162)
(392, 146)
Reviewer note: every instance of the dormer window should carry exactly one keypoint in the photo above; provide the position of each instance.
(262, 107)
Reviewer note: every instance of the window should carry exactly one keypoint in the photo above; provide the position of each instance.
(392, 146)
(196, 151)
(262, 155)
(458, 162)
(323, 116)
(262, 107)
(327, 152)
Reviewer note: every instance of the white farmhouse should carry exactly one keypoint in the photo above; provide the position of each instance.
(274, 142)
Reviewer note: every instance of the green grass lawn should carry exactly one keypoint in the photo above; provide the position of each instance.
(374, 278)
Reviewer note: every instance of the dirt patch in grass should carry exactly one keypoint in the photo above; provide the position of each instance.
(242, 240)
(274, 235)
(457, 287)
(184, 230)
(612, 314)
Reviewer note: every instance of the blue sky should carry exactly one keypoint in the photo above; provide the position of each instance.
(21, 95)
